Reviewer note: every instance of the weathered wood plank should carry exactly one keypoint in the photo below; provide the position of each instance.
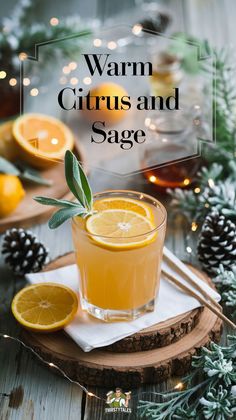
(45, 395)
(213, 20)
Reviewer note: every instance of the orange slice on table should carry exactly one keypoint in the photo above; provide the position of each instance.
(120, 203)
(120, 229)
(42, 140)
(45, 307)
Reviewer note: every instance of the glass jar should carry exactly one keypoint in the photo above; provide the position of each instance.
(166, 74)
(170, 158)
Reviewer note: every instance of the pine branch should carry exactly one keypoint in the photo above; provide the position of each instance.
(20, 35)
(212, 398)
(224, 101)
(218, 183)
(225, 282)
(216, 191)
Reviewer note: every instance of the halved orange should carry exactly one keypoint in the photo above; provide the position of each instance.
(45, 307)
(120, 229)
(7, 143)
(121, 203)
(42, 140)
(11, 194)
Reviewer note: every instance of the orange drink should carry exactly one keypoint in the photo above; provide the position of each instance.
(118, 253)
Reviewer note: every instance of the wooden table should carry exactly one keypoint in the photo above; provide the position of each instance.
(46, 395)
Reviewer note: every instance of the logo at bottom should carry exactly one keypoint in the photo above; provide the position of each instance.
(118, 401)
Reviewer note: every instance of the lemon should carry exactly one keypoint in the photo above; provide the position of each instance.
(120, 229)
(45, 307)
(11, 194)
(121, 203)
(42, 140)
(109, 116)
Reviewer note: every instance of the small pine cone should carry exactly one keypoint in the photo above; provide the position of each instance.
(217, 243)
(24, 253)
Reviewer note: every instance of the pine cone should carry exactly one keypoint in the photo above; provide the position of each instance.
(24, 253)
(217, 243)
(157, 22)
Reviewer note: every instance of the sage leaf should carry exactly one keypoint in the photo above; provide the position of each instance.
(24, 172)
(35, 177)
(64, 214)
(86, 187)
(47, 201)
(73, 178)
(30, 174)
(7, 167)
(78, 184)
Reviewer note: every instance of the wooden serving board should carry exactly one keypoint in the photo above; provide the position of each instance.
(104, 367)
(29, 212)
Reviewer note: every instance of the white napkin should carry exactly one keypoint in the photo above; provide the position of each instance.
(90, 333)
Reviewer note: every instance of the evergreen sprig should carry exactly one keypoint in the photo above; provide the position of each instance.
(18, 34)
(214, 193)
(213, 398)
(225, 282)
(221, 174)
(182, 45)
(225, 99)
(78, 184)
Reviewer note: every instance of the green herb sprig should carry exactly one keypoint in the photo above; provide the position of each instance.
(78, 184)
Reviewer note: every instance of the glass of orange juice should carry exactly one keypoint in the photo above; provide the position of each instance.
(118, 253)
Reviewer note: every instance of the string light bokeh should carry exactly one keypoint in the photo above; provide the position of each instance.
(178, 387)
(50, 364)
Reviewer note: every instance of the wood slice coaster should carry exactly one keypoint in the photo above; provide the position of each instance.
(159, 335)
(29, 212)
(106, 368)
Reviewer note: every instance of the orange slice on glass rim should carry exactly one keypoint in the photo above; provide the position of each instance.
(120, 203)
(45, 307)
(120, 229)
(42, 140)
